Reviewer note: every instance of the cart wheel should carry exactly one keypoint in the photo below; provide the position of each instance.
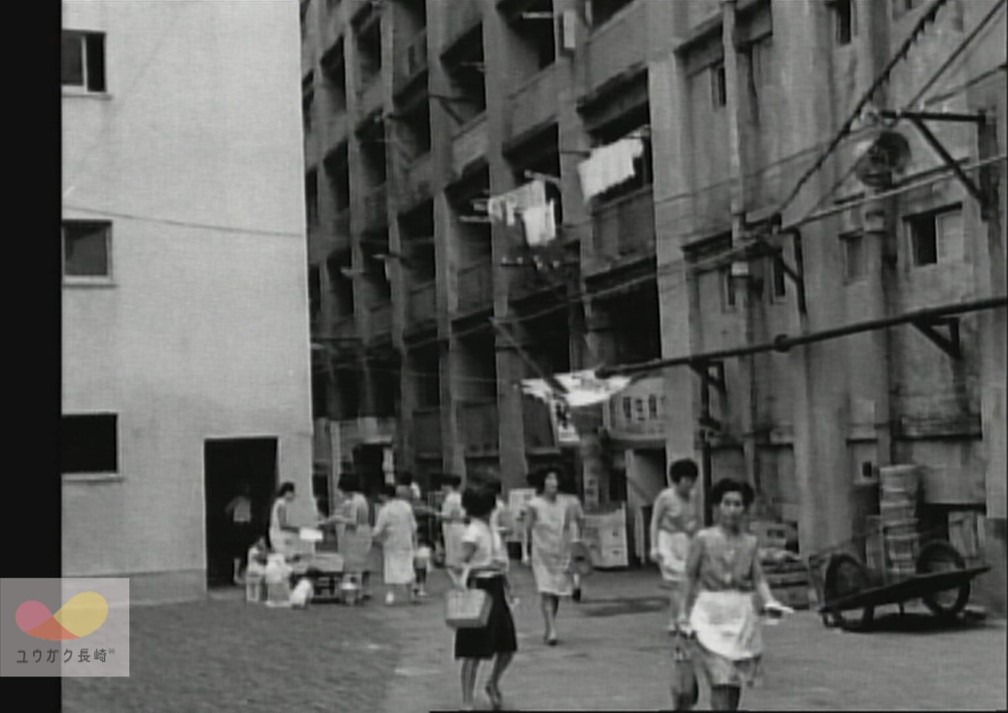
(845, 575)
(941, 556)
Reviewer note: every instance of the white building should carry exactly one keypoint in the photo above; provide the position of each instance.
(185, 353)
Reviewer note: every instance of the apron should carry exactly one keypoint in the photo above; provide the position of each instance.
(673, 548)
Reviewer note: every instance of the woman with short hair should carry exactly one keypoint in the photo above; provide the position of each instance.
(482, 563)
(723, 572)
(548, 527)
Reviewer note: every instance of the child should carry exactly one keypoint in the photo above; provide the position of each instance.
(673, 522)
(421, 565)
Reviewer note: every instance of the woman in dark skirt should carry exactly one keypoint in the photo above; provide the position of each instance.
(483, 562)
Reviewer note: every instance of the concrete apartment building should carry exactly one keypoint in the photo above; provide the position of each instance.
(185, 348)
(415, 112)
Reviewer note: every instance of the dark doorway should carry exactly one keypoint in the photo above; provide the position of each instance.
(368, 459)
(228, 464)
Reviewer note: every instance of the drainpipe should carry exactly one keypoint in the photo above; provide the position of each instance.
(737, 96)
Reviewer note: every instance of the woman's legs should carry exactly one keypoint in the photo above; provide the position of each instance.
(550, 604)
(500, 664)
(725, 698)
(469, 670)
(675, 604)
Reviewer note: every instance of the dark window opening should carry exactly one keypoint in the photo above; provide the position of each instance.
(935, 234)
(427, 377)
(416, 230)
(82, 56)
(320, 389)
(637, 330)
(314, 292)
(311, 198)
(854, 256)
(727, 289)
(373, 245)
(533, 27)
(843, 14)
(779, 277)
(86, 248)
(372, 144)
(471, 225)
(348, 391)
(89, 443)
(603, 10)
(369, 51)
(337, 168)
(466, 73)
(416, 129)
(719, 88)
(334, 72)
(338, 264)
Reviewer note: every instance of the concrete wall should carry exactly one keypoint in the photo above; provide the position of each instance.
(204, 331)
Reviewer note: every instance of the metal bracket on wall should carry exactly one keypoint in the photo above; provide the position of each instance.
(712, 374)
(917, 118)
(949, 344)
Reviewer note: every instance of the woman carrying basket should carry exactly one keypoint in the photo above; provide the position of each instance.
(482, 565)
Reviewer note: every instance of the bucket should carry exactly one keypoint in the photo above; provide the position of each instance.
(895, 528)
(900, 479)
(893, 511)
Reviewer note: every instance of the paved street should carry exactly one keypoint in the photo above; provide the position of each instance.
(221, 655)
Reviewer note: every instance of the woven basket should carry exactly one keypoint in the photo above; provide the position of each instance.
(467, 608)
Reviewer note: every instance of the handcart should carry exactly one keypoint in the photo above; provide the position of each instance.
(939, 576)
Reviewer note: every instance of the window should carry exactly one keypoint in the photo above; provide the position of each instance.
(719, 90)
(603, 10)
(936, 236)
(86, 249)
(89, 443)
(83, 60)
(855, 263)
(778, 278)
(727, 290)
(311, 198)
(843, 15)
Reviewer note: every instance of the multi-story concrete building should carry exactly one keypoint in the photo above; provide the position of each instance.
(416, 112)
(185, 353)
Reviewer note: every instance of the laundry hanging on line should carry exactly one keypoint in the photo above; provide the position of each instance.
(584, 388)
(539, 223)
(506, 207)
(609, 166)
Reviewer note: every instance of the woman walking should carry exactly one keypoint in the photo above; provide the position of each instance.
(722, 572)
(396, 530)
(282, 535)
(548, 528)
(482, 563)
(673, 522)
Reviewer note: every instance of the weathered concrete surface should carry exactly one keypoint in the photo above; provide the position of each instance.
(613, 656)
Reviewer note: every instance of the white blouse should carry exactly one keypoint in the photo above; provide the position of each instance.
(488, 544)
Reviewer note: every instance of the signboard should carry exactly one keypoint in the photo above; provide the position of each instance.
(638, 412)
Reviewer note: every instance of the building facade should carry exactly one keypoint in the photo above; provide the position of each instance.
(417, 112)
(185, 339)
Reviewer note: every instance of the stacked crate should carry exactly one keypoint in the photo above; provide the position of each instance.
(898, 517)
(788, 578)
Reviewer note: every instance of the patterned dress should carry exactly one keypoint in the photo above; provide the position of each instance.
(729, 641)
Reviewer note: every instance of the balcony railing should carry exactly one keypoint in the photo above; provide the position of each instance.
(532, 103)
(537, 423)
(626, 226)
(478, 423)
(381, 319)
(470, 144)
(376, 208)
(422, 306)
(427, 431)
(475, 286)
(411, 59)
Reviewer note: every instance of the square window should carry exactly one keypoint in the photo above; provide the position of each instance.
(86, 249)
(855, 264)
(936, 236)
(89, 443)
(83, 60)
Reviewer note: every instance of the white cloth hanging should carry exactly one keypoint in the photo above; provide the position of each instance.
(506, 207)
(584, 388)
(539, 223)
(609, 166)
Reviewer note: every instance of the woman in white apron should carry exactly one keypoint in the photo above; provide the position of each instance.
(549, 531)
(282, 534)
(723, 575)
